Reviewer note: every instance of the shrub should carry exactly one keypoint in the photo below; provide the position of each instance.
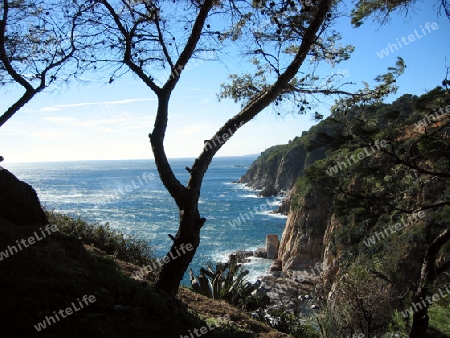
(127, 248)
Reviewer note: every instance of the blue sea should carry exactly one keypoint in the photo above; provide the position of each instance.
(129, 195)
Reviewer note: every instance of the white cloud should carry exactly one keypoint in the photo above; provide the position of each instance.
(125, 121)
(84, 104)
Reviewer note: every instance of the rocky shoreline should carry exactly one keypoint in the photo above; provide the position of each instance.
(291, 291)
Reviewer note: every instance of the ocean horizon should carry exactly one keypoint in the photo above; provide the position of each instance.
(129, 195)
(131, 159)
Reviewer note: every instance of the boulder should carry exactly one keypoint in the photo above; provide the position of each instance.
(268, 191)
(276, 266)
(19, 202)
(272, 243)
(260, 253)
(241, 256)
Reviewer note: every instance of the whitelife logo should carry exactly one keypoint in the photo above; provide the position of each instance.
(422, 124)
(139, 274)
(422, 304)
(209, 144)
(25, 243)
(122, 191)
(411, 38)
(360, 155)
(247, 216)
(49, 320)
(393, 229)
(205, 329)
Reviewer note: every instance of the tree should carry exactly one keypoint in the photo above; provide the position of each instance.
(145, 37)
(360, 302)
(37, 39)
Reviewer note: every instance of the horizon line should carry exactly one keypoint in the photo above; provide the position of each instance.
(111, 160)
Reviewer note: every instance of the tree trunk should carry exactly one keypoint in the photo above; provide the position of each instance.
(179, 257)
(419, 324)
(428, 276)
(187, 197)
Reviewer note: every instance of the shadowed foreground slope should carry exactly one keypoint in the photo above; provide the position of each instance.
(39, 280)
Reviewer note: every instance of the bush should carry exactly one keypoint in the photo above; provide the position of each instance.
(127, 248)
(288, 323)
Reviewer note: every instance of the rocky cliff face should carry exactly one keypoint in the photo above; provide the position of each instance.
(302, 242)
(278, 167)
(276, 170)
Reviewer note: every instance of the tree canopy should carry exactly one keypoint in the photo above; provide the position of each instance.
(40, 45)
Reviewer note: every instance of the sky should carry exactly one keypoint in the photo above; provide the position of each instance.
(100, 121)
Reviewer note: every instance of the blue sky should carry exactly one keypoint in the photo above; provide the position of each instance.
(112, 121)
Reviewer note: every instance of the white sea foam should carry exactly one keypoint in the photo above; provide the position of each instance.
(257, 267)
(242, 186)
(221, 257)
(271, 214)
(250, 196)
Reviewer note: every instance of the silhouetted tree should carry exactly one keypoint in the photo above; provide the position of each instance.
(281, 37)
(37, 40)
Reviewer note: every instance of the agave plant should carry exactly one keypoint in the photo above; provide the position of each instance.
(227, 282)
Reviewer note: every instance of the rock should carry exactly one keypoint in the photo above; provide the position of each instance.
(272, 243)
(242, 256)
(19, 202)
(261, 295)
(276, 266)
(260, 252)
(268, 192)
(204, 286)
(283, 293)
(285, 205)
(314, 306)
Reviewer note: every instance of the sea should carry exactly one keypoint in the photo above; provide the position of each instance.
(129, 195)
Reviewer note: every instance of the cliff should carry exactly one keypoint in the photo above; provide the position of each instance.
(353, 204)
(301, 245)
(277, 168)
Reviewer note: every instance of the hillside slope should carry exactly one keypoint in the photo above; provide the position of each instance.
(56, 272)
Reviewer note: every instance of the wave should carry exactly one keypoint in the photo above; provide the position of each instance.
(271, 214)
(250, 196)
(242, 186)
(257, 268)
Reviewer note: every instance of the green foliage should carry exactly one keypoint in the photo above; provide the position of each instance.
(361, 302)
(126, 248)
(398, 324)
(379, 9)
(289, 323)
